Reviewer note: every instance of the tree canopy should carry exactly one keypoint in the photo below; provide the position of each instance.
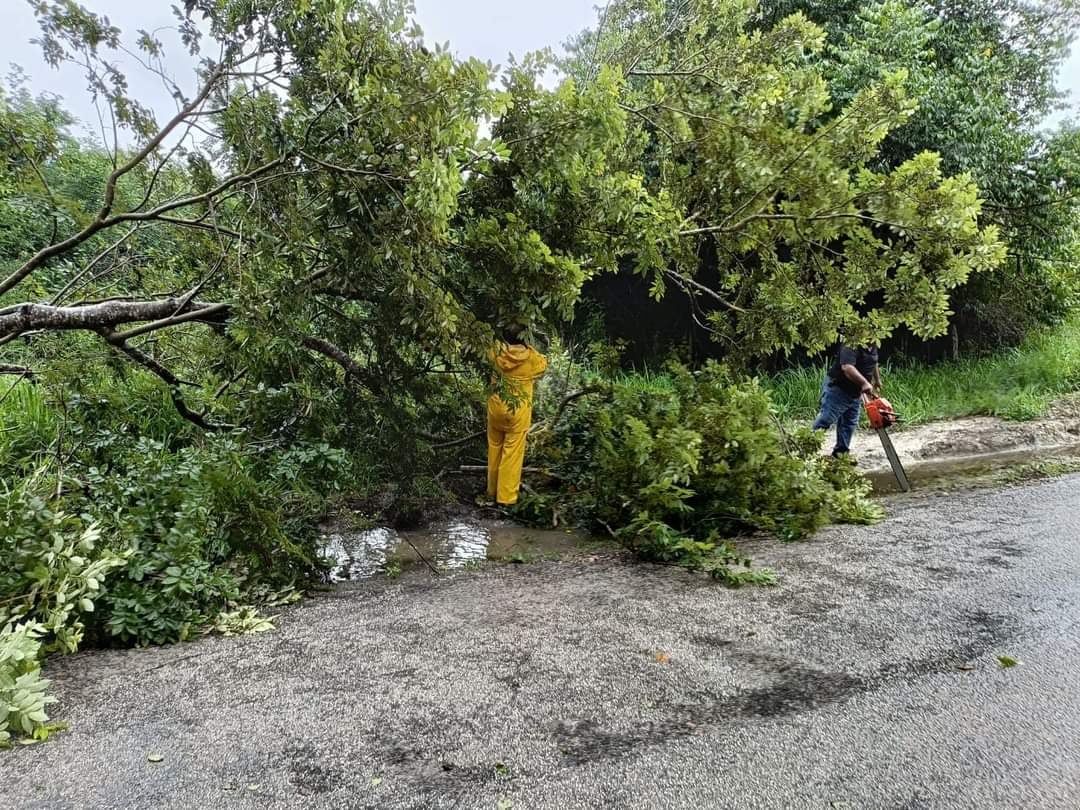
(326, 193)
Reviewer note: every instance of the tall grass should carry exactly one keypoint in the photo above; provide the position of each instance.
(1017, 383)
(27, 425)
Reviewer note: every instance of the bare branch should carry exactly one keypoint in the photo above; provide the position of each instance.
(156, 141)
(199, 225)
(103, 220)
(348, 169)
(26, 317)
(93, 263)
(225, 185)
(206, 314)
(686, 281)
(339, 356)
(445, 445)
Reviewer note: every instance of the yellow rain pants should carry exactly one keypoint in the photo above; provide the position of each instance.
(508, 424)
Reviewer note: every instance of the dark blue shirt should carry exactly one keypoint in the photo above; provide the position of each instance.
(865, 359)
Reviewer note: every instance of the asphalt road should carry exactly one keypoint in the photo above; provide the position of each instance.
(867, 678)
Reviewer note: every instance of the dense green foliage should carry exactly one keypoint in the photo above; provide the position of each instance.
(223, 326)
(174, 532)
(23, 692)
(780, 184)
(984, 74)
(672, 467)
(980, 77)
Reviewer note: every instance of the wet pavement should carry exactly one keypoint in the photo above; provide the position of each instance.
(869, 677)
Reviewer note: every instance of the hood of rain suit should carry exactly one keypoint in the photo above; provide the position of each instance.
(520, 362)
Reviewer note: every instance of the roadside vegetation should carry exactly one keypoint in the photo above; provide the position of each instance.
(220, 328)
(1018, 383)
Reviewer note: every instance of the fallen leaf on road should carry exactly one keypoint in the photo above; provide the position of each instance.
(154, 757)
(1007, 662)
(504, 804)
(662, 658)
(376, 781)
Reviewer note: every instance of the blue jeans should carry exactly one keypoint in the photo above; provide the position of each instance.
(840, 409)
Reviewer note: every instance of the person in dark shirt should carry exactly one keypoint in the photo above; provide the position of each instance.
(855, 374)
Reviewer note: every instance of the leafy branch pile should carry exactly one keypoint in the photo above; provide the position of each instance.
(674, 467)
(127, 541)
(23, 692)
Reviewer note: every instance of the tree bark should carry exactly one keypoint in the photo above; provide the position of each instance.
(43, 317)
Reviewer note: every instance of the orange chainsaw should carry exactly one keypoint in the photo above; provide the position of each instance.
(882, 415)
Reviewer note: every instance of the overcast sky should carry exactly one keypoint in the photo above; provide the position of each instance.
(489, 29)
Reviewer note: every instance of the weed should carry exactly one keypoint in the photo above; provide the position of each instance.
(1040, 470)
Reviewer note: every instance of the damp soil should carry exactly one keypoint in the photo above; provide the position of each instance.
(971, 450)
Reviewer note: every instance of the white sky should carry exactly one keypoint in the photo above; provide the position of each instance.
(489, 29)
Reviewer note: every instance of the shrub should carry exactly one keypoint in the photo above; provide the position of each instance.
(153, 546)
(23, 692)
(54, 568)
(673, 469)
(199, 526)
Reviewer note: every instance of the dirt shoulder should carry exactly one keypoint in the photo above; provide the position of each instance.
(973, 442)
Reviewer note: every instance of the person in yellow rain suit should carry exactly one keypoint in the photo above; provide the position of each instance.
(510, 417)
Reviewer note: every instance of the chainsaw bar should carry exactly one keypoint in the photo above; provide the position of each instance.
(894, 460)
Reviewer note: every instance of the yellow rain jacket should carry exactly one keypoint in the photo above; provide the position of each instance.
(509, 420)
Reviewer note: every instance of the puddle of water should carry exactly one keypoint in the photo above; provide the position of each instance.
(360, 554)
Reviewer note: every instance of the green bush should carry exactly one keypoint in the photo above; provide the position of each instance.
(23, 692)
(137, 543)
(199, 526)
(672, 469)
(54, 568)
(52, 578)
(134, 531)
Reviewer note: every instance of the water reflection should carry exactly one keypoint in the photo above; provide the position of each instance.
(360, 554)
(458, 544)
(449, 545)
